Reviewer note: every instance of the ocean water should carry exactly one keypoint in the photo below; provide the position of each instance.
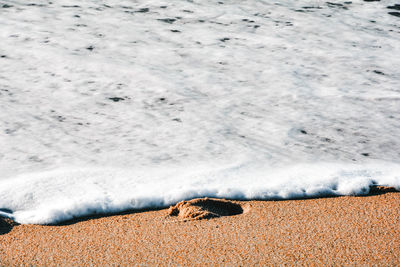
(107, 106)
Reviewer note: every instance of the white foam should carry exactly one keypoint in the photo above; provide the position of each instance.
(272, 88)
(59, 195)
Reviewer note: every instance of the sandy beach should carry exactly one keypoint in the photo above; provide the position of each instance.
(351, 230)
(282, 113)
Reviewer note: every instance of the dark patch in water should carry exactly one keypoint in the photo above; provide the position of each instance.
(376, 189)
(379, 72)
(334, 187)
(8, 131)
(116, 99)
(330, 4)
(312, 7)
(72, 6)
(143, 10)
(170, 21)
(6, 210)
(396, 14)
(60, 118)
(33, 4)
(6, 225)
(395, 7)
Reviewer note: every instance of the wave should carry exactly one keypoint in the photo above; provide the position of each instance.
(58, 195)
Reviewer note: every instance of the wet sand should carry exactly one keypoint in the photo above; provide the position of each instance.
(325, 231)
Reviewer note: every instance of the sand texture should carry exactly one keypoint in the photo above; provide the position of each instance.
(325, 231)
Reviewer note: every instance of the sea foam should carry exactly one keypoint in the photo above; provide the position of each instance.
(274, 89)
(63, 194)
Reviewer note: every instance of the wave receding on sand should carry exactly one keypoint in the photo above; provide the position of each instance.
(58, 195)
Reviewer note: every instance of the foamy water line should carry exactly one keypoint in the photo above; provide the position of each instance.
(59, 195)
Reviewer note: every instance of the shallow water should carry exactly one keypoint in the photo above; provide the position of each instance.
(105, 104)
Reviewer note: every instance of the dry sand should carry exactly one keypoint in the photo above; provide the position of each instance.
(325, 231)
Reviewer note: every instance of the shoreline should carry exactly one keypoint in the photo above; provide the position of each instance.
(335, 231)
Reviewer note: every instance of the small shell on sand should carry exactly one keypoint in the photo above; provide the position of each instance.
(204, 208)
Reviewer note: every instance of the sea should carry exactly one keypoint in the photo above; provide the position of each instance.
(108, 106)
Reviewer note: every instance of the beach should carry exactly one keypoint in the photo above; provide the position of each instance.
(349, 230)
(193, 132)
(109, 107)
